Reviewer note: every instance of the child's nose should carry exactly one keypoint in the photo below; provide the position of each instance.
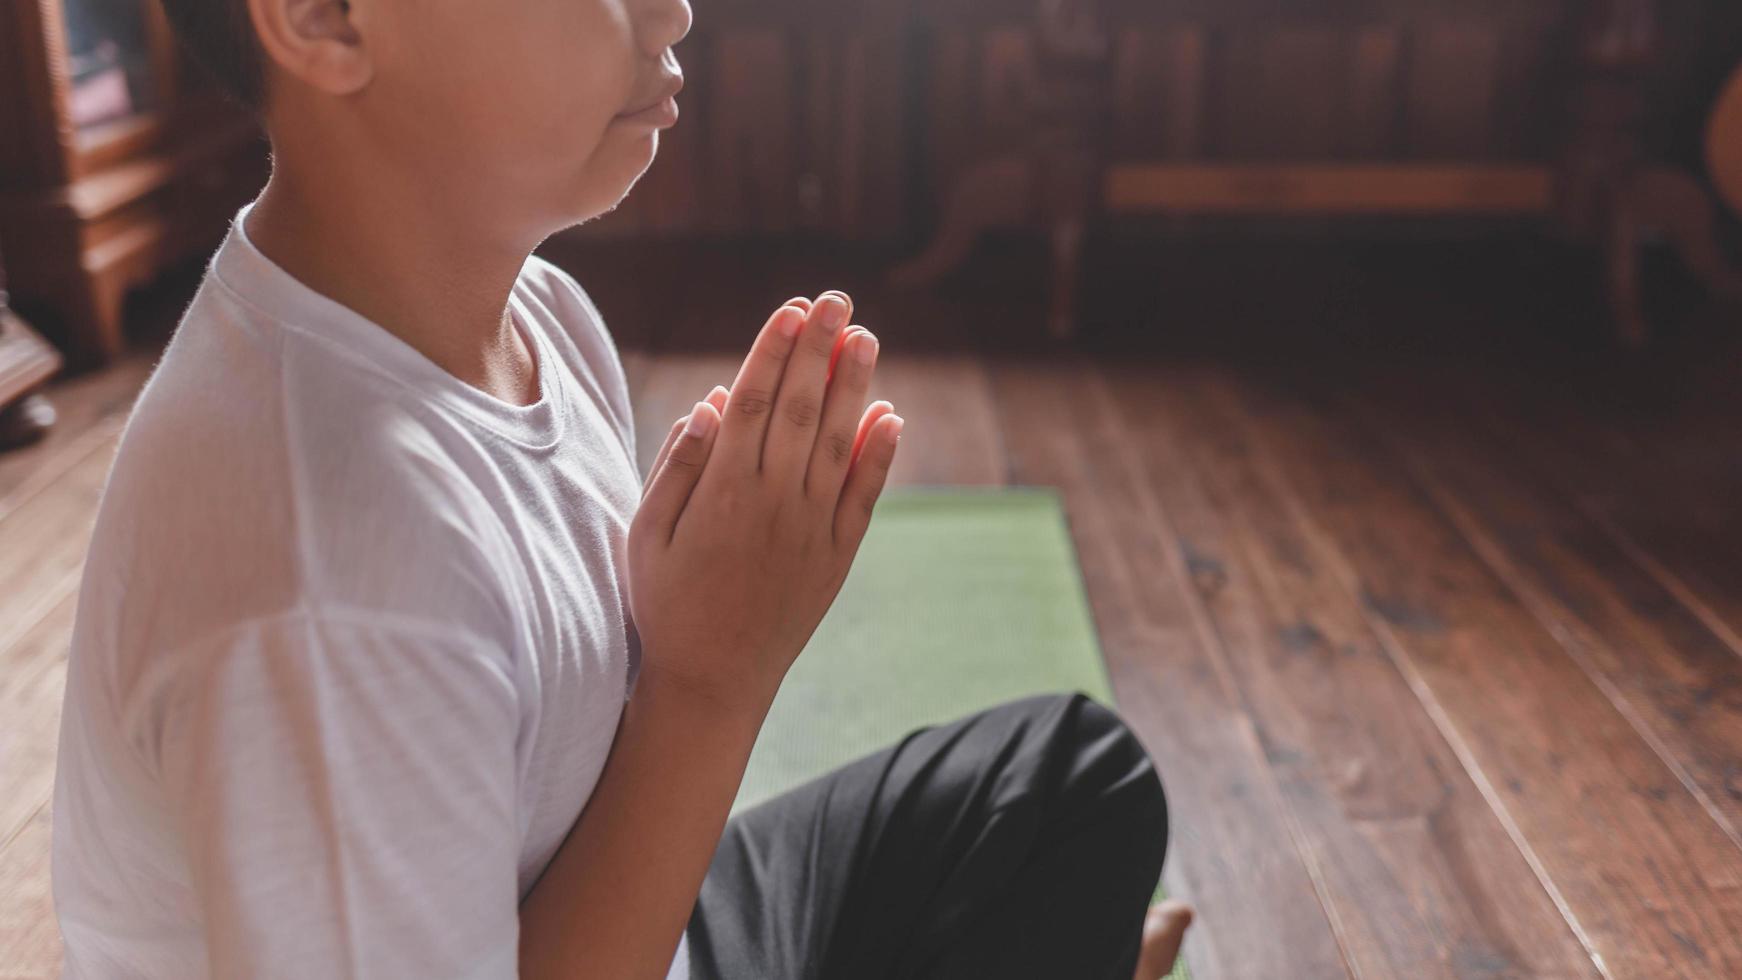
(664, 23)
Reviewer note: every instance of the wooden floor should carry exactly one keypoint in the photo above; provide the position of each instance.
(1437, 648)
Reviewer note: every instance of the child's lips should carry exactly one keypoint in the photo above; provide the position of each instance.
(662, 111)
(660, 115)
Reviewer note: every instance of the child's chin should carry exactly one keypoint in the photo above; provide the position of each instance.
(631, 165)
(601, 197)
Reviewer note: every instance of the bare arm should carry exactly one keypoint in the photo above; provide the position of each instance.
(615, 900)
(749, 525)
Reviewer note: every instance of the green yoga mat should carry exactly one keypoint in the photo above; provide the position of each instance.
(960, 599)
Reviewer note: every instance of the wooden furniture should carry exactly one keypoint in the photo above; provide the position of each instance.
(1043, 148)
(1614, 190)
(1381, 108)
(1724, 143)
(26, 361)
(118, 161)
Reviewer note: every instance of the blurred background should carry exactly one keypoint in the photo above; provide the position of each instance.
(1382, 356)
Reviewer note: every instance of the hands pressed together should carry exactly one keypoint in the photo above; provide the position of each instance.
(756, 505)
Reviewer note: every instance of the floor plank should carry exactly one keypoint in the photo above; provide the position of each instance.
(44, 542)
(1567, 771)
(1668, 502)
(952, 434)
(88, 409)
(1232, 854)
(32, 677)
(1655, 659)
(1420, 875)
(48, 499)
(30, 945)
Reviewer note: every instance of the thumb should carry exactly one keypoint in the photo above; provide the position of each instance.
(716, 398)
(669, 489)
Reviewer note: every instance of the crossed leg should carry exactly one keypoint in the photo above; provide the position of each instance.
(1024, 841)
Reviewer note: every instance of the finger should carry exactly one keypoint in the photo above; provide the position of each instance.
(877, 410)
(798, 407)
(865, 481)
(664, 450)
(846, 337)
(842, 409)
(801, 303)
(675, 480)
(717, 398)
(744, 424)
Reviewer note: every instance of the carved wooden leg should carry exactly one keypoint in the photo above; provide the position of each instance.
(1678, 207)
(108, 299)
(1626, 305)
(1071, 178)
(1675, 206)
(1066, 274)
(994, 194)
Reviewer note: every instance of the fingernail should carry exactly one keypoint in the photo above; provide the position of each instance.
(834, 313)
(865, 349)
(790, 319)
(701, 420)
(895, 428)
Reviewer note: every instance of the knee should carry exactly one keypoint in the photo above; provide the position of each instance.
(1108, 782)
(1113, 751)
(1103, 761)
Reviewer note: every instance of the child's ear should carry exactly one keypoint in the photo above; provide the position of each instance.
(315, 41)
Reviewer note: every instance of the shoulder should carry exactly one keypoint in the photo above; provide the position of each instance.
(223, 415)
(237, 491)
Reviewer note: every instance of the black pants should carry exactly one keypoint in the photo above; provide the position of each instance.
(1021, 842)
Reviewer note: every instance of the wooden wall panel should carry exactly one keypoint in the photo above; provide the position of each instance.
(823, 96)
(872, 149)
(1279, 93)
(1452, 91)
(951, 103)
(750, 175)
(851, 146)
(1006, 67)
(1373, 101)
(1158, 93)
(1532, 89)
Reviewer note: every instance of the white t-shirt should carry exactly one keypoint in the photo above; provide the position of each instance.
(352, 646)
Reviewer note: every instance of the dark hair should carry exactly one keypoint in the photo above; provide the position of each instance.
(220, 36)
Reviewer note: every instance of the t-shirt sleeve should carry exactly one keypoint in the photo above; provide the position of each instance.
(345, 792)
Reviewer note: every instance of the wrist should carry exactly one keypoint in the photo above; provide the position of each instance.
(733, 703)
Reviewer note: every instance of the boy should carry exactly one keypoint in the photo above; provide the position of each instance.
(387, 666)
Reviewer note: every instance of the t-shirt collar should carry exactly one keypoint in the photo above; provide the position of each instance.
(246, 272)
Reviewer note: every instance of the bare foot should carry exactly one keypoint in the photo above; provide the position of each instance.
(1163, 931)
